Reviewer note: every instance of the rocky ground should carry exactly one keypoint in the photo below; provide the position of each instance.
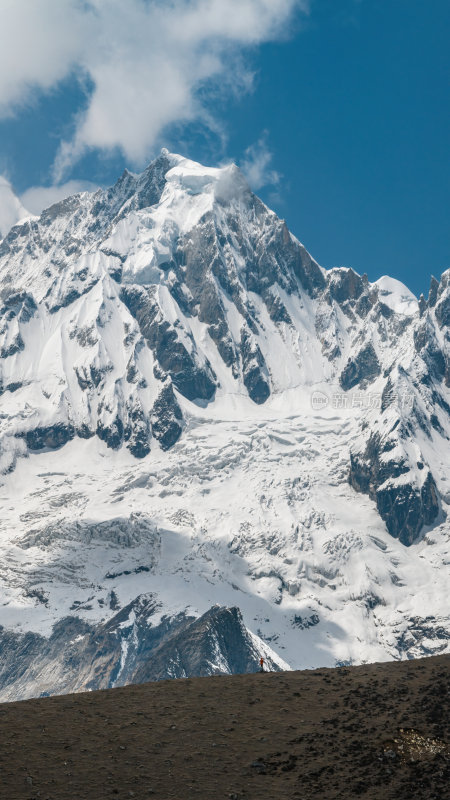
(376, 731)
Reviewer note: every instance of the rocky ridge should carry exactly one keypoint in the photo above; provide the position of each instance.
(172, 313)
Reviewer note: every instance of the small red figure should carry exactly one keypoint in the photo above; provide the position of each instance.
(261, 664)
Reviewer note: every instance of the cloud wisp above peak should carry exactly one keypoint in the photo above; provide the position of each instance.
(11, 208)
(256, 165)
(36, 198)
(147, 64)
(15, 208)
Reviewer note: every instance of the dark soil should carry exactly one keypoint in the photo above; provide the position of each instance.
(379, 731)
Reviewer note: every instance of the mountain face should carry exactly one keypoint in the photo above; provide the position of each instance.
(192, 410)
(126, 649)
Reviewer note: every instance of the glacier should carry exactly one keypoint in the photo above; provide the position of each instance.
(202, 430)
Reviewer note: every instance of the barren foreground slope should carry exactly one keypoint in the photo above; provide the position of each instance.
(375, 731)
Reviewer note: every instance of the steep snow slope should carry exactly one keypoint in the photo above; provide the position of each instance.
(396, 296)
(194, 412)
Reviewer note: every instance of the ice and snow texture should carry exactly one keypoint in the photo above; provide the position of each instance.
(257, 514)
(174, 304)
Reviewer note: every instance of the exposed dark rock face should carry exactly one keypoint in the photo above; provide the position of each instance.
(419, 635)
(138, 432)
(86, 336)
(19, 304)
(52, 437)
(150, 186)
(203, 265)
(388, 395)
(215, 643)
(129, 193)
(433, 292)
(13, 241)
(364, 305)
(70, 294)
(442, 310)
(361, 369)
(13, 347)
(11, 387)
(254, 369)
(84, 431)
(17, 309)
(228, 283)
(63, 208)
(345, 284)
(111, 433)
(191, 379)
(308, 272)
(426, 344)
(276, 308)
(166, 417)
(405, 507)
(79, 656)
(91, 377)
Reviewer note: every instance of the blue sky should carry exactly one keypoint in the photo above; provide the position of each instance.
(338, 109)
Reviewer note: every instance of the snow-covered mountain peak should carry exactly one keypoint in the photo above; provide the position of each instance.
(225, 183)
(187, 282)
(397, 296)
(193, 411)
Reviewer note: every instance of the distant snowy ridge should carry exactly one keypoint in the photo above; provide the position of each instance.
(169, 348)
(397, 296)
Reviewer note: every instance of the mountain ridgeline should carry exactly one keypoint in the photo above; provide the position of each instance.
(180, 283)
(212, 449)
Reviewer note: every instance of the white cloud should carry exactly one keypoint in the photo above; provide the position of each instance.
(39, 46)
(147, 62)
(256, 165)
(36, 198)
(11, 209)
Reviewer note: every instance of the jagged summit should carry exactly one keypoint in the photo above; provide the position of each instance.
(172, 176)
(172, 349)
(179, 285)
(161, 263)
